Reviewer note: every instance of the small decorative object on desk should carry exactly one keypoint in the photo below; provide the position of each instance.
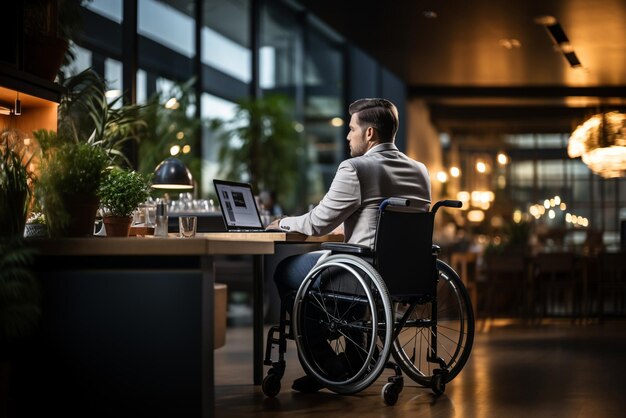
(36, 226)
(161, 220)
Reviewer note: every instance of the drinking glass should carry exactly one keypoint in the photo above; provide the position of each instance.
(187, 226)
(150, 214)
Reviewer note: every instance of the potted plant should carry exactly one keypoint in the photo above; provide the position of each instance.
(15, 191)
(91, 136)
(120, 193)
(69, 179)
(36, 225)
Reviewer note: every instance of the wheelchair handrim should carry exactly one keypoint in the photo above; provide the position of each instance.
(341, 262)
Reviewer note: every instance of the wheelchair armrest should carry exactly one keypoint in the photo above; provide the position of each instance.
(343, 248)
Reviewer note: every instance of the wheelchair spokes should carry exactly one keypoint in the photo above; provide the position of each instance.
(429, 337)
(341, 345)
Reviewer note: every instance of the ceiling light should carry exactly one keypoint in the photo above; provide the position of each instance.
(545, 20)
(336, 122)
(475, 216)
(565, 47)
(430, 14)
(601, 143)
(560, 39)
(509, 43)
(463, 196)
(455, 172)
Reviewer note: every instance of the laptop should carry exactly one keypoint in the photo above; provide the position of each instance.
(239, 209)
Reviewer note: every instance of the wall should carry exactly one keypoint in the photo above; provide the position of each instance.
(423, 142)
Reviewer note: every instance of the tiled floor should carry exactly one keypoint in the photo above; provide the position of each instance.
(555, 369)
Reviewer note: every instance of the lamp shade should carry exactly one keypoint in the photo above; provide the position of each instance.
(172, 173)
(601, 144)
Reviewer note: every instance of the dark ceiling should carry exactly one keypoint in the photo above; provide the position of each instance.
(466, 64)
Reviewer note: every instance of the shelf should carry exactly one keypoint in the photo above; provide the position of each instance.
(39, 99)
(28, 84)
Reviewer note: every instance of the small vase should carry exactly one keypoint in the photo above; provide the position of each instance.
(35, 231)
(117, 226)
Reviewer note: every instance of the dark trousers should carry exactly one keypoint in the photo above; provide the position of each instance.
(288, 276)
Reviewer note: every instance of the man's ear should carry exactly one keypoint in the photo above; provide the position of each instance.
(370, 133)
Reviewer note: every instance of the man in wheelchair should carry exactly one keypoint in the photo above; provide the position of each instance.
(377, 170)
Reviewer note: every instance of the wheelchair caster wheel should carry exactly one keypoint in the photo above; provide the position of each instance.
(271, 385)
(438, 385)
(390, 393)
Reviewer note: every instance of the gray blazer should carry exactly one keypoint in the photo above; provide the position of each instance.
(359, 186)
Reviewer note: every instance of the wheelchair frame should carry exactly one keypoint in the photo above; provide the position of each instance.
(378, 323)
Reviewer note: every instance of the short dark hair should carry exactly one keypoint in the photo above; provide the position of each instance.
(380, 114)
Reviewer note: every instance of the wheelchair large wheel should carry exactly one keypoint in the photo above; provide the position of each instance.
(343, 323)
(454, 335)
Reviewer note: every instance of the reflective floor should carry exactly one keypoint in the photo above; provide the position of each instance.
(552, 369)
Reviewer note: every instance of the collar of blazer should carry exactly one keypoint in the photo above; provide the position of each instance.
(384, 146)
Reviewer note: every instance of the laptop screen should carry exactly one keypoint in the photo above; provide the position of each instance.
(238, 206)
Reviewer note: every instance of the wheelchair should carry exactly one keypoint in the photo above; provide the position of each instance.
(357, 308)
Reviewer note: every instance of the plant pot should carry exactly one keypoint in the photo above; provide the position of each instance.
(13, 209)
(43, 55)
(36, 231)
(117, 226)
(81, 210)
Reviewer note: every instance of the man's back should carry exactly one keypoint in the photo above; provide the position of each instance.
(384, 172)
(359, 186)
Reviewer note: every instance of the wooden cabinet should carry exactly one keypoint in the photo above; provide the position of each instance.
(39, 101)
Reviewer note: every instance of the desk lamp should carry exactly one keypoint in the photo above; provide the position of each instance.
(172, 173)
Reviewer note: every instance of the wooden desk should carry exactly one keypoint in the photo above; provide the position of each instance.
(128, 323)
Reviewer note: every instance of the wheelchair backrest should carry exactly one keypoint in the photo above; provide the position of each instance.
(403, 252)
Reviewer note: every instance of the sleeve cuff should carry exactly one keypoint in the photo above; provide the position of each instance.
(283, 227)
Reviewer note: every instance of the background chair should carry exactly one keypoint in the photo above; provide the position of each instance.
(558, 283)
(611, 284)
(506, 286)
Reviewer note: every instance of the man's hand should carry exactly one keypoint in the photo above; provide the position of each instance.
(338, 230)
(273, 225)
